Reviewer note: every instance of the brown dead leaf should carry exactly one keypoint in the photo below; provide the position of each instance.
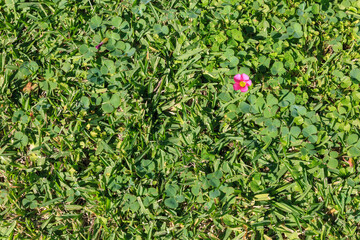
(350, 161)
(29, 87)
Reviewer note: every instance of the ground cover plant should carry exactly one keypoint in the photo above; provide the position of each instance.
(119, 119)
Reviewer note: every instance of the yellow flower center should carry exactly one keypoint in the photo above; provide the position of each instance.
(242, 84)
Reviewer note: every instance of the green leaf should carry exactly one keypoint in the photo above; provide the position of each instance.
(111, 66)
(244, 107)
(130, 52)
(245, 70)
(338, 73)
(215, 182)
(333, 163)
(25, 69)
(289, 99)
(33, 66)
(116, 22)
(189, 54)
(310, 130)
(157, 28)
(352, 139)
(165, 30)
(231, 115)
(313, 138)
(134, 207)
(83, 49)
(262, 197)
(179, 198)
(107, 108)
(298, 33)
(105, 97)
(85, 101)
(115, 100)
(171, 203)
(297, 110)
(237, 35)
(229, 53)
(24, 119)
(232, 107)
(234, 61)
(295, 131)
(95, 22)
(315, 8)
(17, 116)
(125, 27)
(214, 194)
(217, 174)
(73, 207)
(254, 186)
(104, 70)
(264, 63)
(227, 190)
(355, 75)
(114, 35)
(170, 191)
(120, 45)
(354, 152)
(195, 189)
(21, 140)
(271, 100)
(10, 229)
(225, 97)
(289, 61)
(66, 67)
(228, 220)
(277, 68)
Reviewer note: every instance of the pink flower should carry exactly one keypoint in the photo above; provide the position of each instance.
(105, 40)
(242, 82)
(98, 46)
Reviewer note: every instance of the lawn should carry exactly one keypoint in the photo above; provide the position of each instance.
(119, 119)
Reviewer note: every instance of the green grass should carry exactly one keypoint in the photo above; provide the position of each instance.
(146, 138)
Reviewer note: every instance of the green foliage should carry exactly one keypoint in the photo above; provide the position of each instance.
(145, 138)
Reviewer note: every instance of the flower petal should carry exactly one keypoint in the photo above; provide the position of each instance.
(237, 78)
(244, 77)
(248, 82)
(98, 46)
(236, 86)
(244, 89)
